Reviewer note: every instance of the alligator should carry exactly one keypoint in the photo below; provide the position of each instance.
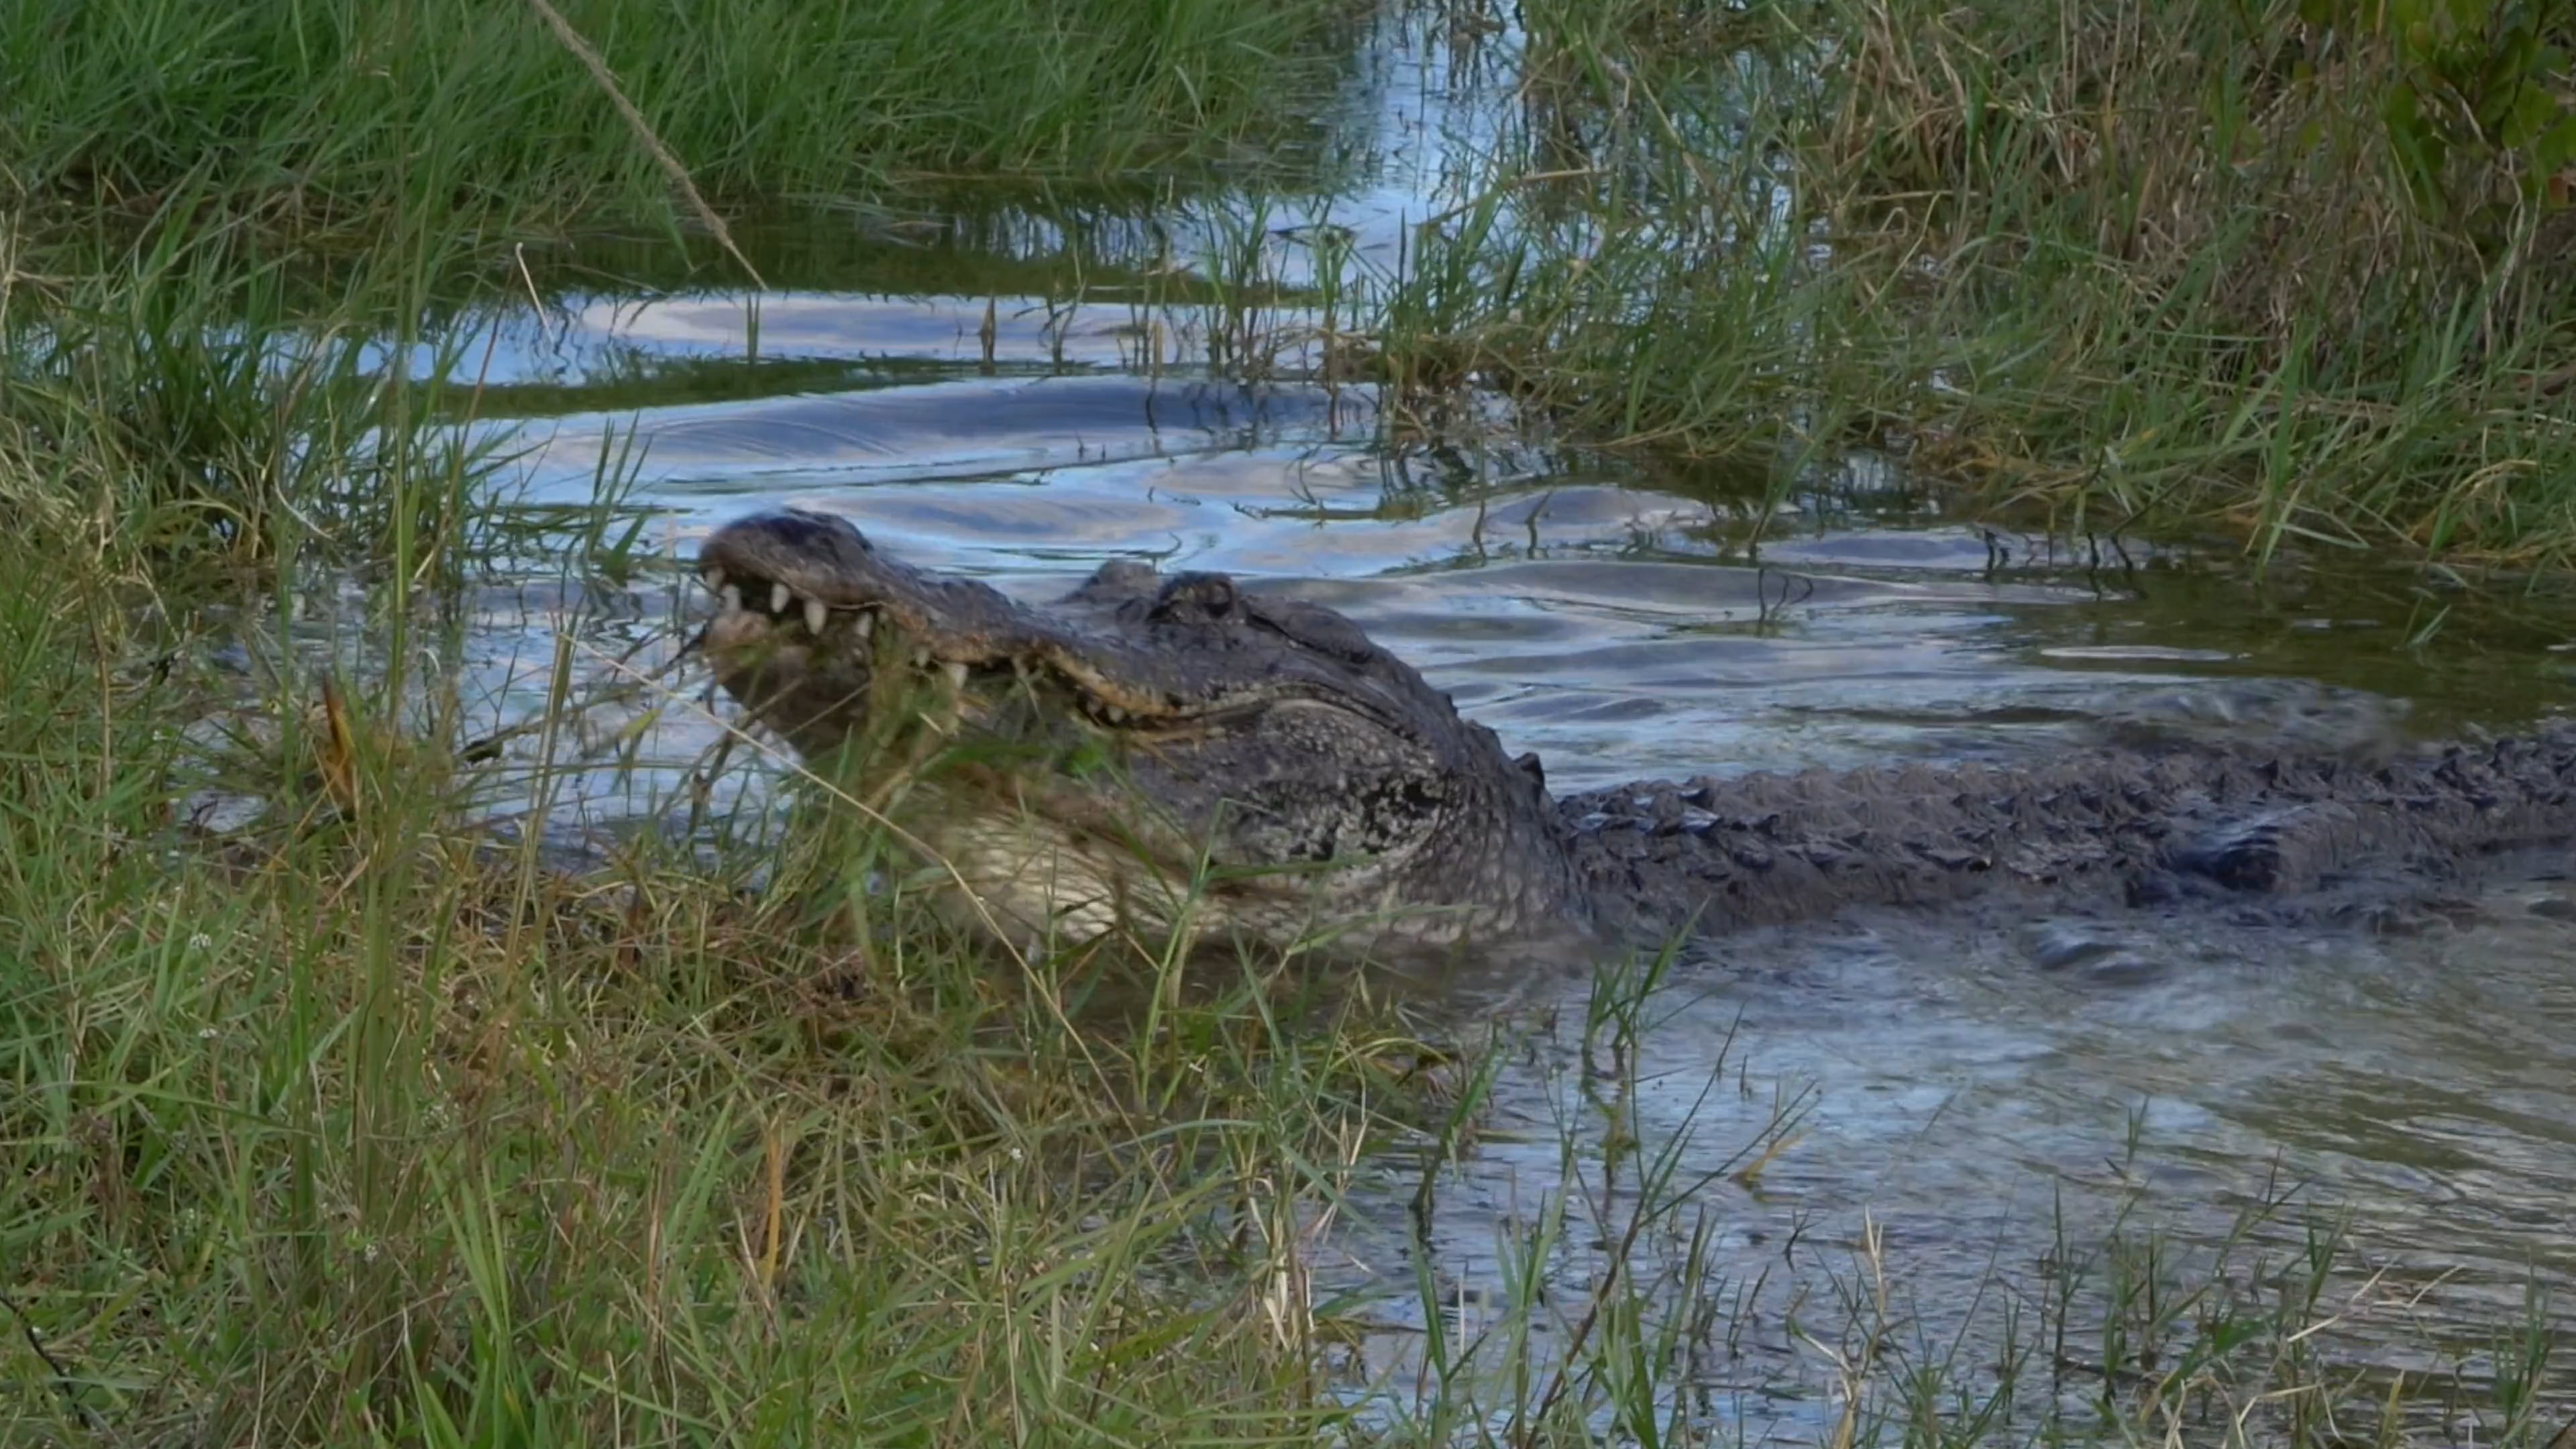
(1153, 752)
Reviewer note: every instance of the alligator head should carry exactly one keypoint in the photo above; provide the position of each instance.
(1143, 742)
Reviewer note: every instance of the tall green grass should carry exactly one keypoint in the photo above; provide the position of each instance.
(353, 1130)
(2113, 263)
(2179, 257)
(340, 116)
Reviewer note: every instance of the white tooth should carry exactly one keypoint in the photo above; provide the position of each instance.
(714, 577)
(1115, 714)
(956, 674)
(921, 659)
(866, 623)
(815, 616)
(780, 598)
(733, 598)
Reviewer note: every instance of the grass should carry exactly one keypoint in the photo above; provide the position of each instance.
(360, 1127)
(340, 119)
(366, 1125)
(2245, 310)
(2171, 265)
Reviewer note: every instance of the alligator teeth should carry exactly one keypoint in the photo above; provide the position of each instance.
(816, 615)
(733, 598)
(955, 673)
(866, 623)
(780, 598)
(1113, 714)
(714, 577)
(921, 659)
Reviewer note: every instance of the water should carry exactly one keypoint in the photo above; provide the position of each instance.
(1946, 1085)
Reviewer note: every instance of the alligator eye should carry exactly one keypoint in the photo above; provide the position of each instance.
(1194, 597)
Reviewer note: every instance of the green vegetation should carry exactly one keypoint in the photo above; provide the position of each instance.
(366, 1127)
(2298, 270)
(363, 1139)
(426, 117)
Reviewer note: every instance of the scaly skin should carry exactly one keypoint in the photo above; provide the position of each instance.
(1149, 739)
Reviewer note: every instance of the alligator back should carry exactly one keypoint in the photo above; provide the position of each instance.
(2116, 827)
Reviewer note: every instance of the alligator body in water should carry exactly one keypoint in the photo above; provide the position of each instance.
(1151, 740)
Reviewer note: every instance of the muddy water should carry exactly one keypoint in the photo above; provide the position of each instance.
(1972, 1086)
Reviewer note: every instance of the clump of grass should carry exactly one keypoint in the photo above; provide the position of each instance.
(2179, 258)
(1622, 266)
(185, 401)
(2176, 264)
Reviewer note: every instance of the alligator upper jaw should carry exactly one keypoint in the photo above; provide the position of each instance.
(814, 619)
(812, 616)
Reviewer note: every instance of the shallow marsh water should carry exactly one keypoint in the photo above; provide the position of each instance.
(1982, 1091)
